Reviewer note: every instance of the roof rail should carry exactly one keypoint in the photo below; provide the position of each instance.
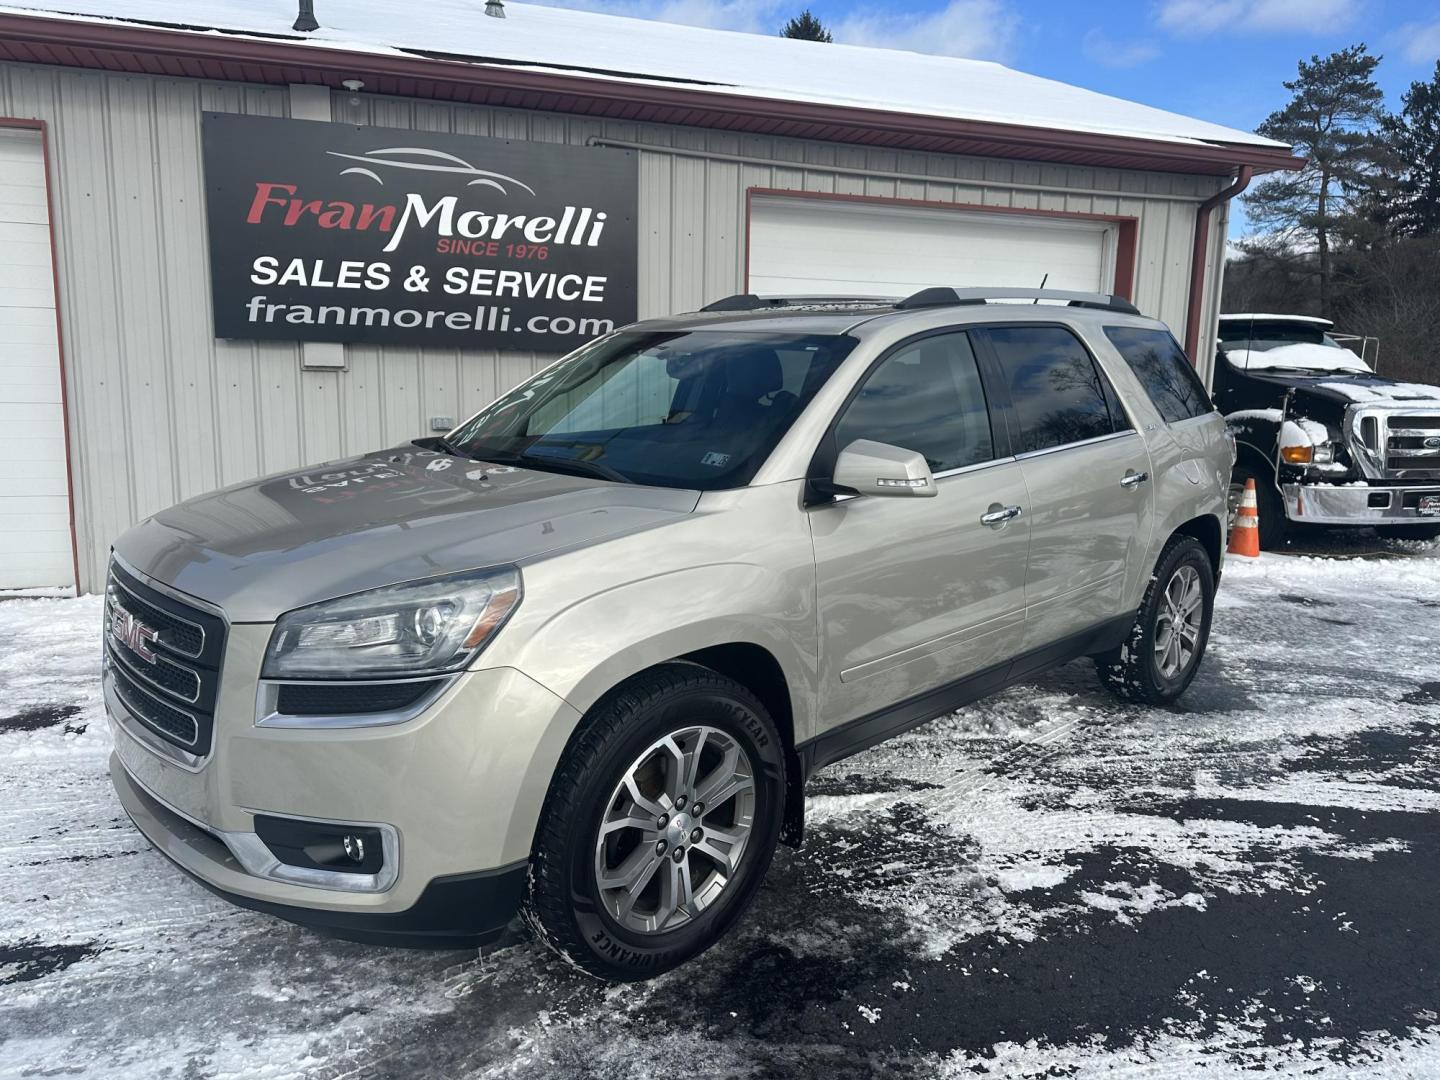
(751, 302)
(944, 296)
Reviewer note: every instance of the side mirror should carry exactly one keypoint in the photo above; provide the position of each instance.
(867, 467)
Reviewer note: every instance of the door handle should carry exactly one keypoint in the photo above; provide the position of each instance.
(999, 515)
(1134, 479)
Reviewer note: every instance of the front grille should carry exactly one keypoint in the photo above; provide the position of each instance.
(1405, 448)
(173, 689)
(173, 724)
(1389, 444)
(328, 699)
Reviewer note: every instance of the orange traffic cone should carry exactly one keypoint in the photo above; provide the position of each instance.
(1245, 530)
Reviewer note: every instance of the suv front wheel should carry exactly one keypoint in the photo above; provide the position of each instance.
(659, 824)
(1163, 651)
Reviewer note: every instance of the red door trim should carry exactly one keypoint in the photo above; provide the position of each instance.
(1126, 240)
(44, 129)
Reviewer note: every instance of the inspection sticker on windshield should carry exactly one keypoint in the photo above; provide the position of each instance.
(1430, 505)
(719, 461)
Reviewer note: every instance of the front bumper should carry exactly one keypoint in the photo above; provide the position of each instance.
(455, 911)
(455, 792)
(1358, 504)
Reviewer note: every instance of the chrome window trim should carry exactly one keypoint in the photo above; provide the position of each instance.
(977, 467)
(1028, 454)
(268, 715)
(258, 861)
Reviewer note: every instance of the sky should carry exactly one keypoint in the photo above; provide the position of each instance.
(1220, 60)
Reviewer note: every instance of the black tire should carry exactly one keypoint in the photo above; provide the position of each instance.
(1132, 671)
(1426, 531)
(565, 906)
(1274, 526)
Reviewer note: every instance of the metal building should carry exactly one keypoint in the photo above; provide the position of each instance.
(755, 167)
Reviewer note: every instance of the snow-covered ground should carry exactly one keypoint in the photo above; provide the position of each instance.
(1045, 884)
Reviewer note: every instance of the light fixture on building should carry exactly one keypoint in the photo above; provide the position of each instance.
(306, 19)
(495, 8)
(354, 86)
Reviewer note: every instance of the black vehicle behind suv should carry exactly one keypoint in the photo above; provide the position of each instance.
(1326, 440)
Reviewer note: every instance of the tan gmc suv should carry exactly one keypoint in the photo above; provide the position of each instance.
(577, 658)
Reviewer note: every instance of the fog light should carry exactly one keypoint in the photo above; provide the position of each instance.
(318, 845)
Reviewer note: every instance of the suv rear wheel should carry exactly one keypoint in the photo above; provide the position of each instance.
(659, 824)
(1165, 646)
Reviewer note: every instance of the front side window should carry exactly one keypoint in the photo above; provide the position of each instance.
(925, 397)
(1057, 393)
(701, 409)
(1159, 363)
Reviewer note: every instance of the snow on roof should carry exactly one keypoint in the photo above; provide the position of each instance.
(1262, 317)
(629, 49)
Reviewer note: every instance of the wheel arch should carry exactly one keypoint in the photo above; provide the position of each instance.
(754, 666)
(758, 670)
(1207, 529)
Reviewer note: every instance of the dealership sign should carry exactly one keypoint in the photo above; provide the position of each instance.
(331, 232)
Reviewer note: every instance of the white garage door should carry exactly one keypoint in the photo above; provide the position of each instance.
(831, 247)
(34, 493)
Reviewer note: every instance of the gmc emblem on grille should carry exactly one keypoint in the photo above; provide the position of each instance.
(132, 633)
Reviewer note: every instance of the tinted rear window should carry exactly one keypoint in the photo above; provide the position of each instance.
(1057, 393)
(1159, 363)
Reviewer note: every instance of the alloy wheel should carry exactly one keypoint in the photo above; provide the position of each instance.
(1177, 625)
(674, 829)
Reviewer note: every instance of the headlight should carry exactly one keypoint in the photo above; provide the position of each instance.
(1318, 454)
(1298, 455)
(419, 628)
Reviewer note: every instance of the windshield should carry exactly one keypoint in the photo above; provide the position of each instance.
(1291, 346)
(701, 409)
(1259, 336)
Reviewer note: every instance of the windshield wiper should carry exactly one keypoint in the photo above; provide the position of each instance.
(570, 465)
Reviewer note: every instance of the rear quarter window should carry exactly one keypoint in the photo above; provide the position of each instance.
(1057, 393)
(1159, 363)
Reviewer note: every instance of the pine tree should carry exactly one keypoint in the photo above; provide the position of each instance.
(1412, 205)
(807, 27)
(1332, 120)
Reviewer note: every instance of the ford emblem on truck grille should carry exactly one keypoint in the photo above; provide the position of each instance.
(132, 633)
(1433, 442)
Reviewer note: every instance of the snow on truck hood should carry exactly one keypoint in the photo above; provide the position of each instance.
(268, 546)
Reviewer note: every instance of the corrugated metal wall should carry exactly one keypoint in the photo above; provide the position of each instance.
(161, 410)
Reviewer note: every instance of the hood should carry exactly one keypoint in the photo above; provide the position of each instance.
(262, 548)
(1350, 387)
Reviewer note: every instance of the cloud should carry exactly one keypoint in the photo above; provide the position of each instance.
(1420, 42)
(975, 28)
(1109, 52)
(746, 16)
(1197, 18)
